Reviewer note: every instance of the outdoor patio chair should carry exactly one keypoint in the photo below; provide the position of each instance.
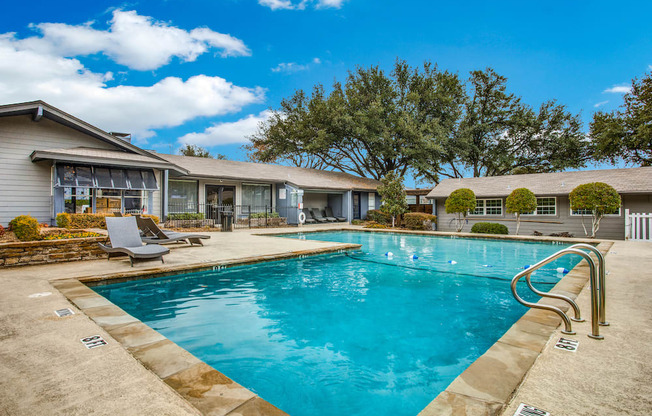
(329, 218)
(125, 240)
(155, 235)
(329, 213)
(309, 218)
(316, 214)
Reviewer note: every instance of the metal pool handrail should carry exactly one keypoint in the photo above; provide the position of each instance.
(595, 330)
(601, 277)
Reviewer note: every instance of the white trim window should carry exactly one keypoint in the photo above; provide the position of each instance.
(588, 212)
(488, 207)
(545, 206)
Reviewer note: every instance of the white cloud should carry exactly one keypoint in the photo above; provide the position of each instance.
(301, 5)
(322, 4)
(619, 89)
(291, 67)
(27, 75)
(227, 133)
(600, 104)
(138, 42)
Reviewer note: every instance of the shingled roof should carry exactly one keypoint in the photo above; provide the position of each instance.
(625, 181)
(302, 177)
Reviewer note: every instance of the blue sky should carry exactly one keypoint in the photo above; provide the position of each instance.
(206, 71)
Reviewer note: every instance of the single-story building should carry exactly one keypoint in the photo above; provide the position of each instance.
(417, 199)
(53, 162)
(553, 213)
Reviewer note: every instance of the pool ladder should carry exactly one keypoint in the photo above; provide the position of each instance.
(597, 290)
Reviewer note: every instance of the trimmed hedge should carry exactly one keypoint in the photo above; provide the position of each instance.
(419, 221)
(264, 215)
(25, 228)
(374, 224)
(379, 216)
(83, 221)
(186, 216)
(489, 228)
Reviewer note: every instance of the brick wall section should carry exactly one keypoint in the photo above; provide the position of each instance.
(51, 251)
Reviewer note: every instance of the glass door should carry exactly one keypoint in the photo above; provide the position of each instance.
(219, 198)
(356, 205)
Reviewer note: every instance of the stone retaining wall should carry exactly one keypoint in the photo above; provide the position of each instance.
(50, 251)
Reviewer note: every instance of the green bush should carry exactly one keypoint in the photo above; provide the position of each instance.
(63, 220)
(489, 228)
(186, 216)
(460, 202)
(2, 230)
(419, 221)
(26, 228)
(265, 215)
(379, 216)
(374, 224)
(597, 197)
(520, 201)
(82, 221)
(357, 222)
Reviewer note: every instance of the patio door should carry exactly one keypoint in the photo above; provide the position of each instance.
(219, 198)
(356, 205)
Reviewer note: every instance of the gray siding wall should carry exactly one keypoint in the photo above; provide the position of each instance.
(611, 227)
(26, 187)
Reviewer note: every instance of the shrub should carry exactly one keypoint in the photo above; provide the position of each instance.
(264, 215)
(71, 235)
(186, 216)
(80, 221)
(374, 224)
(392, 195)
(460, 202)
(2, 230)
(520, 201)
(489, 228)
(357, 222)
(63, 220)
(597, 197)
(379, 216)
(419, 221)
(26, 228)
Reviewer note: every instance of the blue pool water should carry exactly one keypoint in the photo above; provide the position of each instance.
(354, 334)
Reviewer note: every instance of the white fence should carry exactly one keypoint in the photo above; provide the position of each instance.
(638, 227)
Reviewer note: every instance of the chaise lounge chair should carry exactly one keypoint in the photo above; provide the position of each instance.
(329, 218)
(329, 214)
(154, 235)
(309, 218)
(125, 240)
(316, 214)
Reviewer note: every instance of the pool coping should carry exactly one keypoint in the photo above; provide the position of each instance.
(484, 388)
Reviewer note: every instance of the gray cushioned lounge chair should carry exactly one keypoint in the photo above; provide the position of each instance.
(329, 214)
(125, 240)
(309, 218)
(316, 214)
(155, 235)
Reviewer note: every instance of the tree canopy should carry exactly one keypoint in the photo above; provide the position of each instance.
(460, 202)
(198, 151)
(597, 197)
(392, 193)
(423, 120)
(520, 201)
(626, 134)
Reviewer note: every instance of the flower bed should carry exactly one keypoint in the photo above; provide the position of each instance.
(50, 251)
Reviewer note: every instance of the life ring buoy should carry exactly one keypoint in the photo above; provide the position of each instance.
(302, 217)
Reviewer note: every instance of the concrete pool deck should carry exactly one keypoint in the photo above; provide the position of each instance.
(46, 369)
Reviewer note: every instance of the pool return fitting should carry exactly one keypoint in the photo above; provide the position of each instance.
(597, 285)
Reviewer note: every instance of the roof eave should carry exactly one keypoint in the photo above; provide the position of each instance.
(40, 155)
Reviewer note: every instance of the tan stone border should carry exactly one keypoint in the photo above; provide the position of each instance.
(484, 388)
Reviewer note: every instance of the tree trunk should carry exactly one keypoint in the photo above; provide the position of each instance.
(518, 222)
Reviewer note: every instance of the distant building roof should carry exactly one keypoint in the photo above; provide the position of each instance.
(625, 181)
(302, 177)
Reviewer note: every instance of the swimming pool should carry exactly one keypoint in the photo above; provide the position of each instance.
(356, 334)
